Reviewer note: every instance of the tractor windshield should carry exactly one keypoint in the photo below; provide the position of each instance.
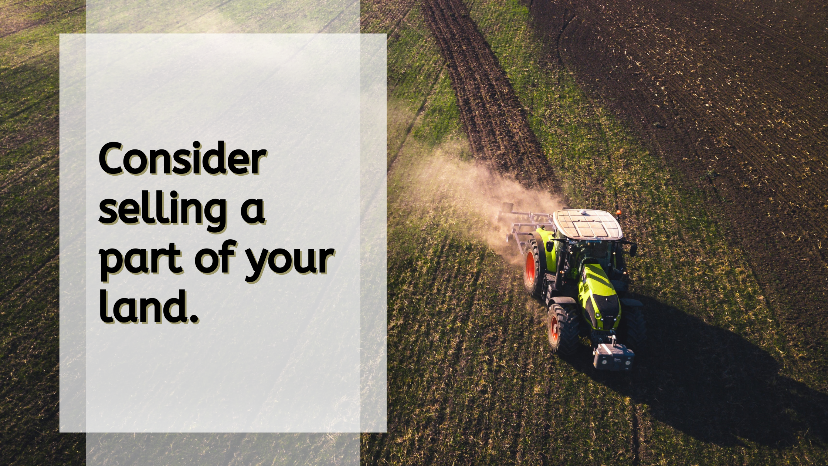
(599, 251)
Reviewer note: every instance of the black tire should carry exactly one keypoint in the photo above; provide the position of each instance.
(533, 270)
(633, 329)
(562, 329)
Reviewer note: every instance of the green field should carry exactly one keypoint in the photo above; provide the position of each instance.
(29, 232)
(471, 377)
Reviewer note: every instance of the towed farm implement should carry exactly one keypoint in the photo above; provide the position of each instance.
(574, 263)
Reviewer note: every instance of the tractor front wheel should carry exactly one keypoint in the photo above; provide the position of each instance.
(532, 270)
(563, 329)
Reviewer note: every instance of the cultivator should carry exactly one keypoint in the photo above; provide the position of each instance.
(574, 263)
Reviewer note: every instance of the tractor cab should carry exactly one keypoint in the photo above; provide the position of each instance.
(587, 237)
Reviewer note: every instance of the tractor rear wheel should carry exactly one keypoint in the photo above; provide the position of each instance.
(633, 329)
(532, 270)
(563, 328)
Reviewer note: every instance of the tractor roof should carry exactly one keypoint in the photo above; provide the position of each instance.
(587, 224)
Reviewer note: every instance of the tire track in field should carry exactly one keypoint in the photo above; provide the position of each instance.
(635, 443)
(491, 114)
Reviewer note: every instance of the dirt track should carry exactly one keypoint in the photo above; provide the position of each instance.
(490, 111)
(734, 94)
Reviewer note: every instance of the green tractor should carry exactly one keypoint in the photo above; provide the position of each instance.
(574, 263)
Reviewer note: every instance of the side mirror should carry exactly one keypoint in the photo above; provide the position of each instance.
(633, 249)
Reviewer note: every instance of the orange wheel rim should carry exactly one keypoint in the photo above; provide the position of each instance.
(553, 328)
(530, 267)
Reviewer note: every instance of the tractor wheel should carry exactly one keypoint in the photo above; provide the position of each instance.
(633, 329)
(532, 273)
(563, 329)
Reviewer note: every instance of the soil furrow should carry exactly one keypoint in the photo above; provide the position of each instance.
(481, 136)
(489, 109)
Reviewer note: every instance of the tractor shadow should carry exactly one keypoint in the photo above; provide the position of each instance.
(714, 385)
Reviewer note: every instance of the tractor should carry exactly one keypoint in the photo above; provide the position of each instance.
(573, 262)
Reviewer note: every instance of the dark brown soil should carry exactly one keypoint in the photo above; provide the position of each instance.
(490, 111)
(734, 94)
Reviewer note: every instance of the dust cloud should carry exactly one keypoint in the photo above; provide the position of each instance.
(472, 192)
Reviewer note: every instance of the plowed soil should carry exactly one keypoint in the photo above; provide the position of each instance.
(735, 94)
(490, 111)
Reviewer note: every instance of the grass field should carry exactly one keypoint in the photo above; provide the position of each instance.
(29, 232)
(471, 376)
